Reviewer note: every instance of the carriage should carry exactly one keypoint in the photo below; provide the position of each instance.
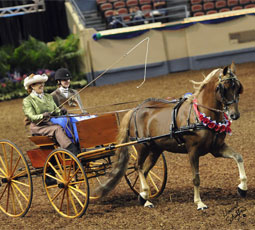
(198, 126)
(76, 177)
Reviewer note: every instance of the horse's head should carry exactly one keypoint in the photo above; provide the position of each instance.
(228, 90)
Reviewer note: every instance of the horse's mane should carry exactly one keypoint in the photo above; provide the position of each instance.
(198, 86)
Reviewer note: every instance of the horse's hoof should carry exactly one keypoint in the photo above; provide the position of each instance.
(141, 200)
(148, 204)
(202, 208)
(241, 192)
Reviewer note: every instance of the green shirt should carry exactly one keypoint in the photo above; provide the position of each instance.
(34, 107)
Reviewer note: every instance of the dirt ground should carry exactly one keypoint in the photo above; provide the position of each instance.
(174, 209)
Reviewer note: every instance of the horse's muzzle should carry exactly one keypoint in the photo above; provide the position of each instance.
(234, 116)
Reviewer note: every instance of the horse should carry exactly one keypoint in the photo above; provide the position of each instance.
(197, 125)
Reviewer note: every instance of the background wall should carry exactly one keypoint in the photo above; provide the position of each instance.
(195, 47)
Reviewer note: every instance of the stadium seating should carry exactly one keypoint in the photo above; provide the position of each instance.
(249, 6)
(196, 2)
(144, 2)
(220, 4)
(208, 6)
(119, 4)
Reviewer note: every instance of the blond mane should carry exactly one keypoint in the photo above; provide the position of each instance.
(198, 86)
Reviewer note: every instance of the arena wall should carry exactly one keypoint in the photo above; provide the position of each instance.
(197, 46)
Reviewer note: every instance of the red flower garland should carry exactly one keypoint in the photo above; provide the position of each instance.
(220, 127)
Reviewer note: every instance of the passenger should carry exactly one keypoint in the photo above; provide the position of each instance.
(64, 92)
(38, 107)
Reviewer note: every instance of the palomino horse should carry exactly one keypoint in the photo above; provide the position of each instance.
(198, 125)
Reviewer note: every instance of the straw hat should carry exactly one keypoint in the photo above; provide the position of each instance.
(31, 79)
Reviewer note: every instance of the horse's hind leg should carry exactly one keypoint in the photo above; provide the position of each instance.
(144, 166)
(228, 152)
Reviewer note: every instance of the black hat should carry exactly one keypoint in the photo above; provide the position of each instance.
(62, 74)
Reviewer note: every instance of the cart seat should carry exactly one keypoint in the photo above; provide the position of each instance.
(42, 141)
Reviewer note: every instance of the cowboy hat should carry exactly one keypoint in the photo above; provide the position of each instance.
(31, 79)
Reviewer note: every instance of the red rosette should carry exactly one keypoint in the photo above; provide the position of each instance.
(201, 117)
(217, 127)
(205, 120)
(222, 128)
(211, 125)
(228, 130)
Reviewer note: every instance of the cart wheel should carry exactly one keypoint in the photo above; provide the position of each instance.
(156, 178)
(16, 188)
(66, 183)
(97, 172)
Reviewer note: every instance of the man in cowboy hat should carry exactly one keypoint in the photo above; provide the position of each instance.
(64, 93)
(39, 107)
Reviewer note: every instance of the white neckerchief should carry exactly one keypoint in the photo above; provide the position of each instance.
(41, 95)
(64, 91)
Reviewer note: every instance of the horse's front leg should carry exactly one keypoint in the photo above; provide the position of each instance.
(194, 162)
(228, 152)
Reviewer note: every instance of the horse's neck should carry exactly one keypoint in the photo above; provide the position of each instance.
(209, 103)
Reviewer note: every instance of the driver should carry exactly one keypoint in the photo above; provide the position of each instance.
(38, 107)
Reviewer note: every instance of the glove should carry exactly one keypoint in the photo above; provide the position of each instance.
(63, 111)
(46, 116)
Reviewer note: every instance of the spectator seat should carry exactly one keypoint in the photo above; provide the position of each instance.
(237, 8)
(106, 6)
(199, 13)
(208, 6)
(224, 9)
(144, 2)
(119, 4)
(195, 2)
(211, 12)
(196, 8)
(130, 3)
(249, 6)
(220, 4)
(232, 3)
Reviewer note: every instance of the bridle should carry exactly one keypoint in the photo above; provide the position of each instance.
(231, 77)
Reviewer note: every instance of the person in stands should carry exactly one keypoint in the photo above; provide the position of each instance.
(64, 95)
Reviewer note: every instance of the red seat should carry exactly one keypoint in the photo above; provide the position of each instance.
(196, 8)
(119, 4)
(112, 1)
(249, 6)
(244, 2)
(108, 13)
(130, 3)
(209, 0)
(122, 11)
(106, 6)
(100, 1)
(143, 2)
(157, 4)
(199, 13)
(208, 6)
(224, 10)
(146, 7)
(195, 2)
(133, 9)
(211, 12)
(220, 4)
(237, 8)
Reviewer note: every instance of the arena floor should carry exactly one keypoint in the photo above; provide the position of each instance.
(174, 209)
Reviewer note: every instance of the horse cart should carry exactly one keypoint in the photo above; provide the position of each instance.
(74, 177)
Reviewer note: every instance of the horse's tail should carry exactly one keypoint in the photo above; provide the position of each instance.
(122, 158)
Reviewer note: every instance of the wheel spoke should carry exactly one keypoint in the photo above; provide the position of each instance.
(58, 163)
(13, 201)
(21, 183)
(72, 202)
(155, 175)
(17, 198)
(5, 158)
(56, 195)
(4, 166)
(79, 191)
(153, 183)
(77, 198)
(17, 187)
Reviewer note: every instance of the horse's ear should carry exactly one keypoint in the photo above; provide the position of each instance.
(225, 70)
(233, 67)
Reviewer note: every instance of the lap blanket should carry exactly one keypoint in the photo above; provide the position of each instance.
(69, 125)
